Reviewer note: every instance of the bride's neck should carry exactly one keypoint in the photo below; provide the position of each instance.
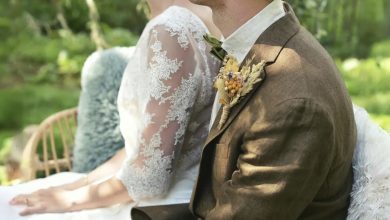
(158, 6)
(203, 12)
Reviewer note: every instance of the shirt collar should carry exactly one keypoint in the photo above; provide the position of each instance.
(241, 41)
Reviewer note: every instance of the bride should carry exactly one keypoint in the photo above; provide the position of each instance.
(164, 105)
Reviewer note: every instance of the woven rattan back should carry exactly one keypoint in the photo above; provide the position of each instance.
(49, 149)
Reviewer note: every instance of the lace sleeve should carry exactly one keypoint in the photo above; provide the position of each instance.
(172, 87)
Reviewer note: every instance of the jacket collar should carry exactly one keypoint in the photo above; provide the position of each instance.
(240, 41)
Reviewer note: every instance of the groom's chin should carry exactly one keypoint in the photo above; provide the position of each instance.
(199, 2)
(204, 2)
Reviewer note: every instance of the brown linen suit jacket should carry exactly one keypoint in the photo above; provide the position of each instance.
(285, 151)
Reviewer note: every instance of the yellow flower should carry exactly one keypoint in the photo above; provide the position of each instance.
(231, 65)
(232, 83)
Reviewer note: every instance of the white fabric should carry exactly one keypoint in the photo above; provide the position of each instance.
(370, 196)
(241, 41)
(164, 104)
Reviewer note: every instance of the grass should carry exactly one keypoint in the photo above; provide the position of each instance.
(382, 120)
(368, 83)
(3, 179)
(30, 104)
(378, 108)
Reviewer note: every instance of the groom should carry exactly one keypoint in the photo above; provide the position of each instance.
(285, 149)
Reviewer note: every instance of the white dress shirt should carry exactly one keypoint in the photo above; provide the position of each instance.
(239, 43)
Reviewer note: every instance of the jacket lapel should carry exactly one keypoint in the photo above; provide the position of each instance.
(267, 47)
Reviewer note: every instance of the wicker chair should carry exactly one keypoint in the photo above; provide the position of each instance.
(49, 149)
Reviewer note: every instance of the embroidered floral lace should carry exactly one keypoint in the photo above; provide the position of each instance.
(165, 102)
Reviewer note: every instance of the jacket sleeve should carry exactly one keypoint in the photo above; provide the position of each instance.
(284, 160)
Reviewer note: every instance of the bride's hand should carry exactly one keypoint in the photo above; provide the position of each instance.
(44, 201)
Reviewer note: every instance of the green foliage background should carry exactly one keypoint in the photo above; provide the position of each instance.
(41, 59)
(357, 34)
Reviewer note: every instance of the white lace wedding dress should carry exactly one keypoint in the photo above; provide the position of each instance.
(164, 104)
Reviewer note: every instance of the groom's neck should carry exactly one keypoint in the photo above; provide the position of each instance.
(233, 14)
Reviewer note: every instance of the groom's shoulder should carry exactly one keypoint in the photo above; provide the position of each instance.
(307, 46)
(304, 69)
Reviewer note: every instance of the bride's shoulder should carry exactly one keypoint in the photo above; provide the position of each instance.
(176, 19)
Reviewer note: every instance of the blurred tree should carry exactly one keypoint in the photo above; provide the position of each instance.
(143, 6)
(387, 17)
(60, 15)
(124, 14)
(312, 14)
(347, 27)
(96, 35)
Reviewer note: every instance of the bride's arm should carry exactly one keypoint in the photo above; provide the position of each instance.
(104, 170)
(101, 172)
(90, 196)
(150, 171)
(81, 194)
(103, 194)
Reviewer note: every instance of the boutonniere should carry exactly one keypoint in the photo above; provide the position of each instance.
(233, 83)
